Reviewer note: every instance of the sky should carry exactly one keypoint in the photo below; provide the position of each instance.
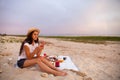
(61, 17)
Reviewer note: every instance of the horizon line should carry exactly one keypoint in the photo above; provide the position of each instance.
(117, 35)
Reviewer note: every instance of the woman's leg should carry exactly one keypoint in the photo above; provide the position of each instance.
(30, 62)
(44, 60)
(43, 67)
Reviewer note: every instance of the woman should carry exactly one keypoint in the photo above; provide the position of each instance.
(31, 47)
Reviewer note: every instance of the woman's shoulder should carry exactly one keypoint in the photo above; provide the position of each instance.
(27, 44)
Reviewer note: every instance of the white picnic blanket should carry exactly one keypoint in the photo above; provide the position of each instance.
(67, 64)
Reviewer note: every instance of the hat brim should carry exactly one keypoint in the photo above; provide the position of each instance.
(33, 29)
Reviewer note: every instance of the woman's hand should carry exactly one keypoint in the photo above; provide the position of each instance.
(40, 48)
(41, 45)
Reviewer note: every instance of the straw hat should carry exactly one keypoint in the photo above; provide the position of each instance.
(33, 29)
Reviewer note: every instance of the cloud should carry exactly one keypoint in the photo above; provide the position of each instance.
(61, 16)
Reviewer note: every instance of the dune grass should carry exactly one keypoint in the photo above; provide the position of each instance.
(87, 39)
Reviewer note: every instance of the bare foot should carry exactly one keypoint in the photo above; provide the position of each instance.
(60, 70)
(60, 74)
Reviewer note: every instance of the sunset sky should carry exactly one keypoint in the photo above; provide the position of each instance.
(61, 17)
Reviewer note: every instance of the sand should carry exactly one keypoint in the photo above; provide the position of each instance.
(95, 61)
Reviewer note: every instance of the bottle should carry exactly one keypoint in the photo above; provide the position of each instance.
(57, 64)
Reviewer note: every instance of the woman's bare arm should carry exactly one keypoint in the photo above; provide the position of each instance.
(41, 47)
(28, 54)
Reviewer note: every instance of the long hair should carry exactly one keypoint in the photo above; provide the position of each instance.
(29, 40)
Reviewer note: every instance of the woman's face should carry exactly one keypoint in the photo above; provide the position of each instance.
(35, 35)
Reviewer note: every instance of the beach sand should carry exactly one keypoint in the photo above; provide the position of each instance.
(94, 61)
